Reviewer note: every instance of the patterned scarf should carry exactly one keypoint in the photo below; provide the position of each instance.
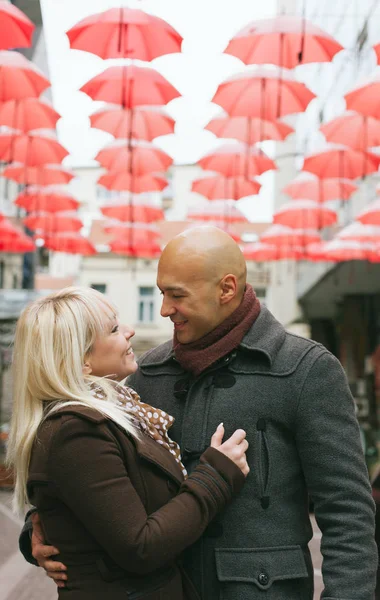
(199, 355)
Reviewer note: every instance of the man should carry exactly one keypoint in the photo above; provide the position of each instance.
(231, 361)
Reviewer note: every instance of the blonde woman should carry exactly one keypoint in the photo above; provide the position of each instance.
(98, 464)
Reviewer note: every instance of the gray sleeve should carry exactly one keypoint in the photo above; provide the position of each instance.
(329, 446)
(24, 541)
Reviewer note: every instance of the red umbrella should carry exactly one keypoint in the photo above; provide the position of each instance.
(285, 40)
(123, 181)
(352, 129)
(28, 114)
(140, 123)
(359, 232)
(304, 214)
(16, 29)
(264, 93)
(7, 230)
(218, 210)
(149, 249)
(341, 162)
(138, 158)
(45, 175)
(130, 86)
(70, 243)
(365, 98)
(48, 199)
(20, 244)
(371, 214)
(249, 131)
(237, 159)
(19, 77)
(32, 149)
(281, 235)
(320, 190)
(136, 233)
(218, 187)
(125, 33)
(133, 211)
(53, 223)
(262, 252)
(339, 250)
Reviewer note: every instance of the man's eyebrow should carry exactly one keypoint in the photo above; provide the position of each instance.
(172, 288)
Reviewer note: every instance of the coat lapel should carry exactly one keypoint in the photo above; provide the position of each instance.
(151, 451)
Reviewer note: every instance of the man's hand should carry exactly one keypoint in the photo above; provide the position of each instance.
(43, 554)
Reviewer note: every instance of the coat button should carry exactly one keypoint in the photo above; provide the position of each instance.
(263, 579)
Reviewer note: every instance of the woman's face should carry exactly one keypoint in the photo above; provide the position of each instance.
(112, 355)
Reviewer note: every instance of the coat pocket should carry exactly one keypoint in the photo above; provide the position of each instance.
(266, 573)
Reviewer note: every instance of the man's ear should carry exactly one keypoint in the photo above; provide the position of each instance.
(229, 288)
(86, 369)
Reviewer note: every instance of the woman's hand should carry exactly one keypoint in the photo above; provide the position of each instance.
(234, 448)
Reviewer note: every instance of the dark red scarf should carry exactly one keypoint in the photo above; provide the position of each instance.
(199, 355)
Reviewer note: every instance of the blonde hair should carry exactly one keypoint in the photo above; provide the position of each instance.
(54, 335)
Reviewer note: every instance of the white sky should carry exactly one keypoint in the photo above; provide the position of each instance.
(206, 26)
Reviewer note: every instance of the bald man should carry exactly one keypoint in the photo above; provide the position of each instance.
(230, 361)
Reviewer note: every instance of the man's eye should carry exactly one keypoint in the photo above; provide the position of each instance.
(175, 296)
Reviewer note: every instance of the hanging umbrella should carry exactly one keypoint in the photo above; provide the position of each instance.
(371, 214)
(141, 123)
(249, 130)
(70, 243)
(354, 130)
(44, 175)
(365, 98)
(133, 232)
(19, 77)
(281, 235)
(320, 190)
(342, 162)
(133, 211)
(263, 92)
(28, 114)
(218, 187)
(285, 40)
(53, 223)
(125, 33)
(219, 210)
(130, 86)
(8, 230)
(304, 214)
(123, 181)
(32, 149)
(237, 159)
(16, 30)
(340, 250)
(47, 199)
(263, 252)
(148, 249)
(138, 158)
(18, 244)
(359, 232)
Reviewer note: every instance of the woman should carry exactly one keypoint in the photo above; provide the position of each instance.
(107, 481)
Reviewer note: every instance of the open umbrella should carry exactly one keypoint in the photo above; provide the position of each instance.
(19, 77)
(135, 233)
(305, 214)
(263, 252)
(130, 86)
(218, 187)
(354, 130)
(220, 210)
(262, 92)
(285, 40)
(370, 215)
(365, 98)
(234, 159)
(123, 181)
(53, 223)
(41, 176)
(141, 123)
(70, 243)
(17, 244)
(16, 29)
(133, 211)
(249, 130)
(360, 232)
(125, 33)
(340, 250)
(320, 190)
(28, 114)
(47, 199)
(32, 149)
(341, 161)
(282, 235)
(136, 157)
(148, 249)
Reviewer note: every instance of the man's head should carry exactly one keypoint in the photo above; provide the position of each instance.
(202, 276)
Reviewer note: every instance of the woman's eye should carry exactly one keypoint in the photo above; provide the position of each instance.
(115, 329)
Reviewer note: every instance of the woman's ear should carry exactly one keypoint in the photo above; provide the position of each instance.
(86, 369)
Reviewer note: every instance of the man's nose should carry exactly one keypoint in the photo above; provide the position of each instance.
(167, 309)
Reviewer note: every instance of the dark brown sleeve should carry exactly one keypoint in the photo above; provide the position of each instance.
(86, 465)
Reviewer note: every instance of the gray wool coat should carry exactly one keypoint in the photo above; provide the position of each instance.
(291, 396)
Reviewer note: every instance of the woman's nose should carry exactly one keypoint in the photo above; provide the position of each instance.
(129, 332)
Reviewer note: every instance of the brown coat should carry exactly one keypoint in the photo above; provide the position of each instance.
(119, 509)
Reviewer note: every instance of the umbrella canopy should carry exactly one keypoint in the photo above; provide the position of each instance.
(220, 210)
(8, 230)
(148, 249)
(281, 235)
(371, 214)
(320, 190)
(236, 159)
(285, 40)
(306, 214)
(47, 199)
(262, 252)
(218, 187)
(339, 250)
(41, 176)
(19, 77)
(70, 243)
(133, 212)
(134, 233)
(130, 86)
(53, 223)
(32, 149)
(365, 98)
(16, 30)
(138, 158)
(341, 162)
(264, 93)
(141, 123)
(125, 33)
(123, 181)
(359, 232)
(354, 130)
(17, 244)
(28, 114)
(249, 130)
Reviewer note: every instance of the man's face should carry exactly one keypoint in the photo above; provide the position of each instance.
(190, 301)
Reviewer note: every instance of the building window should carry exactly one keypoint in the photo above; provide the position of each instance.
(99, 287)
(261, 294)
(146, 305)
